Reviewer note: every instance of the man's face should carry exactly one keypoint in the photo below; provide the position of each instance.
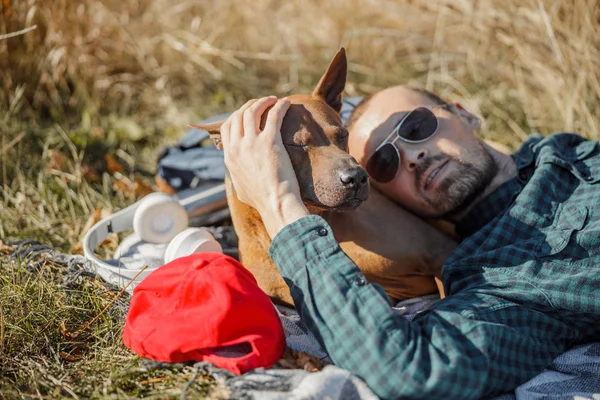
(438, 177)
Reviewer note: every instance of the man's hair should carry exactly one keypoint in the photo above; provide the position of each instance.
(437, 100)
(361, 107)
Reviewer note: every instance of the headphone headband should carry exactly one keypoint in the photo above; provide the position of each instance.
(193, 201)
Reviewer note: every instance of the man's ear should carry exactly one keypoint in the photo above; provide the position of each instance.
(214, 129)
(332, 83)
(471, 119)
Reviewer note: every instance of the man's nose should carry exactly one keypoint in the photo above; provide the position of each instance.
(412, 157)
(353, 177)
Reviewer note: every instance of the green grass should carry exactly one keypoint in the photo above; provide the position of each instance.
(42, 355)
(39, 357)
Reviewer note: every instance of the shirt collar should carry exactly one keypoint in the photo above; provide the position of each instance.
(499, 200)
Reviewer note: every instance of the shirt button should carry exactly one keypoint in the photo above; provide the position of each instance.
(589, 178)
(322, 231)
(361, 281)
(523, 176)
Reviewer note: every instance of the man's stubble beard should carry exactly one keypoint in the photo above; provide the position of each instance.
(459, 190)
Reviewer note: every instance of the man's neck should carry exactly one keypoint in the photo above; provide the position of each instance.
(507, 169)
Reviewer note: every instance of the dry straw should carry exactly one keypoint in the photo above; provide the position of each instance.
(524, 64)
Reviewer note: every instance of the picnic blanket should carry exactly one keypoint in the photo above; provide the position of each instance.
(572, 375)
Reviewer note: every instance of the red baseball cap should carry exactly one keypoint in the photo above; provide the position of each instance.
(204, 307)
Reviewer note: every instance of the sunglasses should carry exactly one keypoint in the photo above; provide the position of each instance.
(417, 126)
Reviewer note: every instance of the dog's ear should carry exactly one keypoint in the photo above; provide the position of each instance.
(332, 83)
(214, 129)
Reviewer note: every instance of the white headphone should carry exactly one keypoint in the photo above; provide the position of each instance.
(157, 218)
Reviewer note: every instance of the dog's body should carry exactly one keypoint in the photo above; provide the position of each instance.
(378, 236)
(391, 246)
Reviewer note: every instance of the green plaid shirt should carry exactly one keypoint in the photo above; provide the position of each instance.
(523, 286)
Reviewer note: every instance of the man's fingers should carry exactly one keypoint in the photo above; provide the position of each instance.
(276, 115)
(253, 114)
(225, 133)
(237, 126)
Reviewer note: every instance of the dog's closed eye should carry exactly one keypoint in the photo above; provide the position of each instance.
(297, 146)
(341, 135)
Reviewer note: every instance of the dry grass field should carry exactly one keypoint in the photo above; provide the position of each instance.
(90, 95)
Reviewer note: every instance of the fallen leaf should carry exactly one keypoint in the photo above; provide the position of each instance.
(112, 165)
(112, 242)
(4, 249)
(58, 160)
(90, 174)
(124, 185)
(163, 186)
(141, 187)
(298, 359)
(78, 248)
(287, 359)
(307, 362)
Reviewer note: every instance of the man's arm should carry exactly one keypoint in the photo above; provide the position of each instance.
(445, 353)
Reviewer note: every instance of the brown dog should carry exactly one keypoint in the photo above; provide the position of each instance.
(391, 246)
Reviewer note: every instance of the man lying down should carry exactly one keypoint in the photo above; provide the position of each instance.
(521, 287)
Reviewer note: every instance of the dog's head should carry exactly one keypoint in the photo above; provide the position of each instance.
(317, 143)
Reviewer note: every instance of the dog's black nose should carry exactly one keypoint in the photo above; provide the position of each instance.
(353, 177)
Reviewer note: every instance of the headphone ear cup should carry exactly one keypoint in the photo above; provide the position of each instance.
(159, 218)
(190, 241)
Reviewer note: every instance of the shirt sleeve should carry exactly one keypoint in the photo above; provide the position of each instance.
(449, 351)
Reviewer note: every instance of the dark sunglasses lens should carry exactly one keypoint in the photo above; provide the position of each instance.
(383, 164)
(419, 125)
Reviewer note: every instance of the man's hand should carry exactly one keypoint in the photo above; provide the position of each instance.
(259, 166)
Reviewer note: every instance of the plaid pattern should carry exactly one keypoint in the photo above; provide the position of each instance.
(523, 286)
